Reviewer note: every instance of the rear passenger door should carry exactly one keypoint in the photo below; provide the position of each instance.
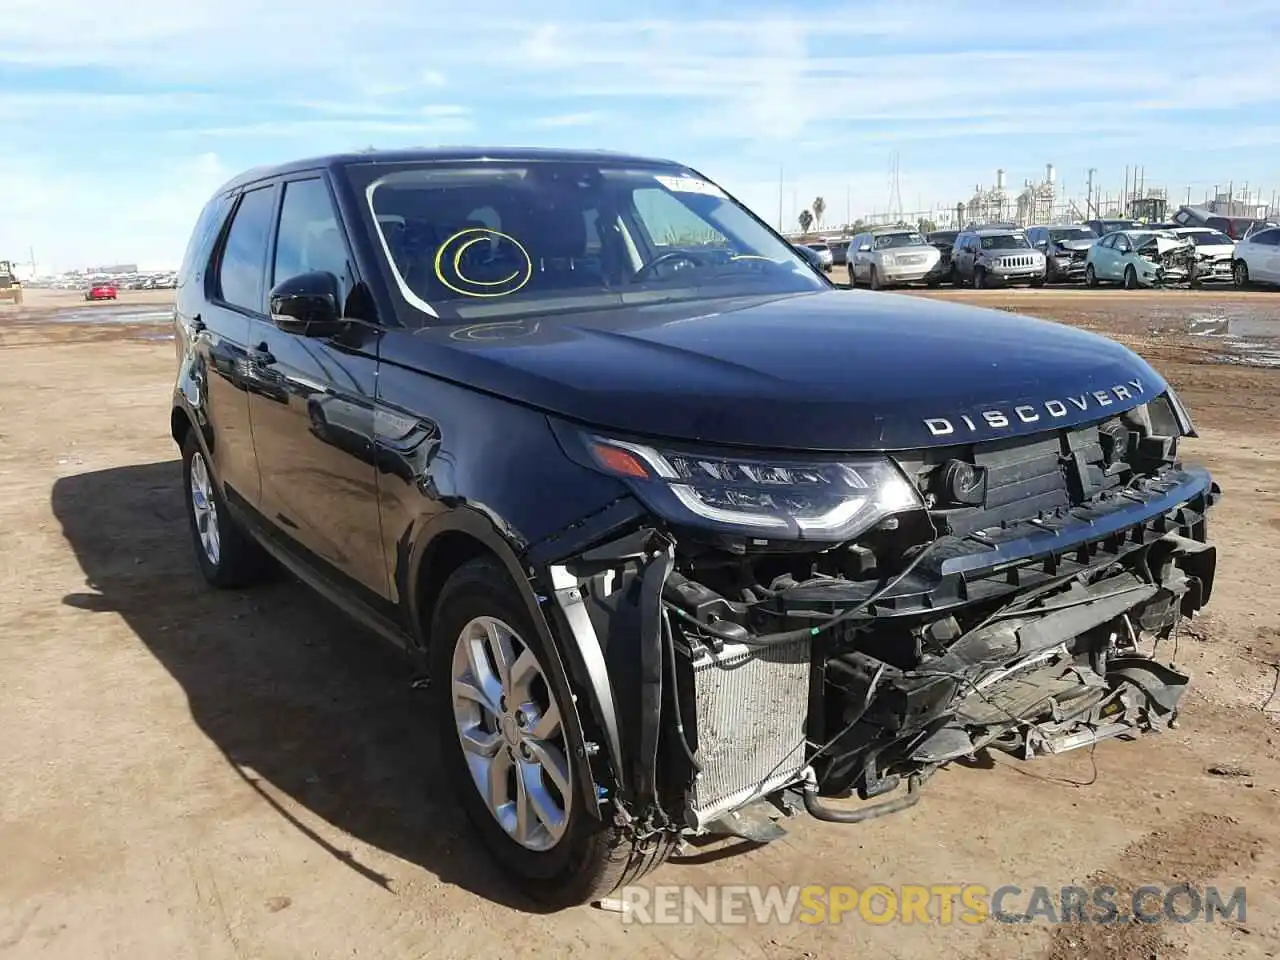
(233, 292)
(313, 416)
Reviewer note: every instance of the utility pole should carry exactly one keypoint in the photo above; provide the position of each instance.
(1124, 196)
(1089, 192)
(848, 208)
(780, 198)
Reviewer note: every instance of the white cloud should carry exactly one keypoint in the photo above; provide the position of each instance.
(829, 89)
(587, 118)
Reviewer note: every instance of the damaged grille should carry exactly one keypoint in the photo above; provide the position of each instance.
(751, 706)
(1037, 477)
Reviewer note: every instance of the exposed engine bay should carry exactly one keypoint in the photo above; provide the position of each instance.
(1029, 604)
(1175, 257)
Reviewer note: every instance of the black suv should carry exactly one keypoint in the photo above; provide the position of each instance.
(685, 537)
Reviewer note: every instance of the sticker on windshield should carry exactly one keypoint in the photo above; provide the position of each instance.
(689, 185)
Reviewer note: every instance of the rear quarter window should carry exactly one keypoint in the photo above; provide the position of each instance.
(196, 256)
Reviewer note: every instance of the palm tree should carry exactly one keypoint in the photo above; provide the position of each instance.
(806, 220)
(819, 208)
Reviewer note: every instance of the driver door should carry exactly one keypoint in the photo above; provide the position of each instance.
(312, 414)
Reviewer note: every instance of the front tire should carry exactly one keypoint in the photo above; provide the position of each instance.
(1240, 274)
(1130, 278)
(875, 280)
(1090, 276)
(228, 556)
(510, 756)
(979, 278)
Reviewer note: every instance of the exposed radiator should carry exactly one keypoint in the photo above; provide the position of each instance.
(752, 705)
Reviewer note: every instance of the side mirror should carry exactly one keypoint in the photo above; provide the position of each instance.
(307, 305)
(865, 248)
(1042, 244)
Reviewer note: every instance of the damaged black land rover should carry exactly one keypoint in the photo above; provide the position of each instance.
(685, 538)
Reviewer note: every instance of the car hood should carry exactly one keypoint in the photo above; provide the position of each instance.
(1074, 244)
(1163, 245)
(833, 370)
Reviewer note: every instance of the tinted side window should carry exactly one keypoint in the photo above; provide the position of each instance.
(240, 268)
(309, 238)
(196, 256)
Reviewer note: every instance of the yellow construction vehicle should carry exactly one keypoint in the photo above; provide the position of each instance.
(10, 285)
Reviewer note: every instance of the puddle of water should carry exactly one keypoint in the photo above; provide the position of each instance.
(1255, 340)
(102, 315)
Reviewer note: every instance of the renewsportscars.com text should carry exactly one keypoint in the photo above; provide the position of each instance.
(969, 904)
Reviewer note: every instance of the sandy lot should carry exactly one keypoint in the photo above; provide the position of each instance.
(195, 774)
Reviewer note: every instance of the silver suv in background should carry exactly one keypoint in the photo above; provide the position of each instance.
(824, 254)
(1065, 247)
(893, 256)
(998, 255)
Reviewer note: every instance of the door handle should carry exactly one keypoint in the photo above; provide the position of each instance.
(261, 354)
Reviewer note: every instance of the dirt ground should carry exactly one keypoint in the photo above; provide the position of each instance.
(187, 773)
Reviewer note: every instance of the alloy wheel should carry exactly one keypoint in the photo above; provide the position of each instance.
(511, 733)
(205, 508)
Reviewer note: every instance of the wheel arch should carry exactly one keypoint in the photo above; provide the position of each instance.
(462, 535)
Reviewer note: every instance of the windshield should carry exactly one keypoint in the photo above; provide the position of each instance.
(1005, 241)
(887, 240)
(944, 236)
(479, 239)
(1211, 238)
(1071, 233)
(820, 247)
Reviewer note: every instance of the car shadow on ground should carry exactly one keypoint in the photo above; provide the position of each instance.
(303, 703)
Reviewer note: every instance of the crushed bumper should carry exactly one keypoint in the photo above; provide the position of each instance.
(1035, 638)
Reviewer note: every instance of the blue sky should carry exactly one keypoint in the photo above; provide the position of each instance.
(119, 118)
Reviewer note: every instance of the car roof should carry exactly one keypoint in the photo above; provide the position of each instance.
(440, 154)
(893, 228)
(996, 231)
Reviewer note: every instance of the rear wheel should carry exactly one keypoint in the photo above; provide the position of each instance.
(511, 758)
(1130, 278)
(227, 555)
(1240, 274)
(1090, 276)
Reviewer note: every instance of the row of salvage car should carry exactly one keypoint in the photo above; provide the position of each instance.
(1126, 253)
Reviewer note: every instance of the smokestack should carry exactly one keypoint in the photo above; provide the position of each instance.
(1049, 173)
(1000, 179)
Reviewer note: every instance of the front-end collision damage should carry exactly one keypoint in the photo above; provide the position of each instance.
(1170, 258)
(723, 680)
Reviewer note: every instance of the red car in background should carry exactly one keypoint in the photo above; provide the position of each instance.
(101, 291)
